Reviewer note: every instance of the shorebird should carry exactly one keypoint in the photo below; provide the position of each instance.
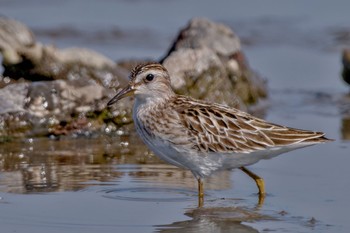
(201, 136)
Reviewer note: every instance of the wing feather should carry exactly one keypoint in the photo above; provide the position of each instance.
(216, 128)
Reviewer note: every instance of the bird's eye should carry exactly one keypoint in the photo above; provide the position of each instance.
(149, 77)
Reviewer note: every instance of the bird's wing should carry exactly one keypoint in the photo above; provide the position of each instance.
(216, 128)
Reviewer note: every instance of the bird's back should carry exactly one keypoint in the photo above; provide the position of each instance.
(217, 128)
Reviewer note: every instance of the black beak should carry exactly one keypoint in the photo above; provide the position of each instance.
(123, 93)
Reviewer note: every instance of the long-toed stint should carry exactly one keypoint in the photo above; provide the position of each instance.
(204, 137)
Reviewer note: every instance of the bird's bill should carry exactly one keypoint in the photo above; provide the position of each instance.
(127, 91)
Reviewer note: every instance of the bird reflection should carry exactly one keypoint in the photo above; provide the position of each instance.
(216, 219)
(345, 128)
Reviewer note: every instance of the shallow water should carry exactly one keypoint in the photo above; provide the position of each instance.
(112, 183)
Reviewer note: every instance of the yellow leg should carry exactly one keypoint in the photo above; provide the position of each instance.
(259, 182)
(200, 193)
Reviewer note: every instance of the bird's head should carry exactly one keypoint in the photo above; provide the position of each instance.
(147, 81)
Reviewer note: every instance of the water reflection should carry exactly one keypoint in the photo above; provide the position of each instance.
(113, 171)
(344, 108)
(46, 165)
(345, 128)
(216, 219)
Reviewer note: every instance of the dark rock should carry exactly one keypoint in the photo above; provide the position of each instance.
(206, 62)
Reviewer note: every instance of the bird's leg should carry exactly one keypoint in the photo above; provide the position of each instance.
(200, 192)
(259, 182)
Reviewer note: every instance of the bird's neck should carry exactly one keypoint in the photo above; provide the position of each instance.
(146, 101)
(154, 98)
(145, 106)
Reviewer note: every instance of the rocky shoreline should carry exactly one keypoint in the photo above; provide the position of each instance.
(49, 91)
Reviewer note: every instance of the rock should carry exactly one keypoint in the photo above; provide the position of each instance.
(202, 33)
(15, 36)
(60, 97)
(206, 62)
(49, 91)
(201, 74)
(44, 105)
(23, 57)
(12, 98)
(44, 87)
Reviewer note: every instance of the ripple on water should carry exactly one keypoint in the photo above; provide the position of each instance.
(151, 194)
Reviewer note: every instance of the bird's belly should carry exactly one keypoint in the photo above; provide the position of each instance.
(175, 155)
(201, 164)
(204, 164)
